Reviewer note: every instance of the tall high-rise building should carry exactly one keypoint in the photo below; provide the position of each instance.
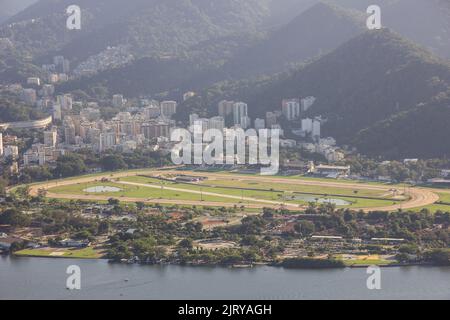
(29, 96)
(50, 138)
(106, 140)
(48, 90)
(1, 144)
(193, 118)
(240, 112)
(117, 101)
(245, 122)
(66, 66)
(152, 112)
(291, 109)
(58, 60)
(307, 103)
(307, 125)
(225, 108)
(260, 124)
(168, 108)
(69, 134)
(11, 152)
(316, 129)
(57, 114)
(65, 101)
(153, 130)
(216, 123)
(271, 119)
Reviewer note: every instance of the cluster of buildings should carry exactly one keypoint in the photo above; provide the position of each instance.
(149, 123)
(58, 71)
(308, 135)
(125, 131)
(111, 57)
(9, 151)
(46, 152)
(326, 147)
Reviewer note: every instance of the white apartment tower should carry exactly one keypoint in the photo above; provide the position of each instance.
(65, 101)
(50, 138)
(307, 103)
(316, 129)
(260, 124)
(117, 101)
(240, 113)
(225, 108)
(168, 108)
(291, 109)
(307, 125)
(216, 123)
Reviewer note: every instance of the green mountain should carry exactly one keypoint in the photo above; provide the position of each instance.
(148, 27)
(13, 66)
(318, 30)
(421, 132)
(366, 80)
(426, 22)
(12, 109)
(9, 8)
(371, 78)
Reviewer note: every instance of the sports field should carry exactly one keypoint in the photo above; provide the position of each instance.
(230, 189)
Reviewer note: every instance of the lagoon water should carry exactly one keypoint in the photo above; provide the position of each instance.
(40, 278)
(102, 189)
(338, 202)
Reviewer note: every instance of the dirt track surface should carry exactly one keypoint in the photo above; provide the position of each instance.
(419, 197)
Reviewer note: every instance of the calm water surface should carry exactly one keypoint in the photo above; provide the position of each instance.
(38, 278)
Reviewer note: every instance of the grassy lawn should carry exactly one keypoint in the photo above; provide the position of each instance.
(136, 192)
(154, 193)
(443, 197)
(271, 195)
(238, 181)
(85, 253)
(373, 260)
(242, 183)
(368, 262)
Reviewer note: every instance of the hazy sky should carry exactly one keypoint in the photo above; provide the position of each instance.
(11, 7)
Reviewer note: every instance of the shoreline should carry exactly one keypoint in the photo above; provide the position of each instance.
(234, 266)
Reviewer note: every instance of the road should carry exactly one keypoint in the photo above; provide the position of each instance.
(418, 197)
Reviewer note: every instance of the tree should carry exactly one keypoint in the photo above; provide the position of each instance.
(186, 244)
(3, 185)
(103, 227)
(140, 206)
(113, 163)
(438, 256)
(69, 165)
(42, 193)
(305, 228)
(23, 192)
(14, 218)
(113, 202)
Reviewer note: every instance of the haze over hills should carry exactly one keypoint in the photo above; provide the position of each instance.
(141, 28)
(237, 56)
(9, 8)
(149, 27)
(170, 29)
(316, 31)
(421, 132)
(363, 81)
(425, 22)
(369, 79)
